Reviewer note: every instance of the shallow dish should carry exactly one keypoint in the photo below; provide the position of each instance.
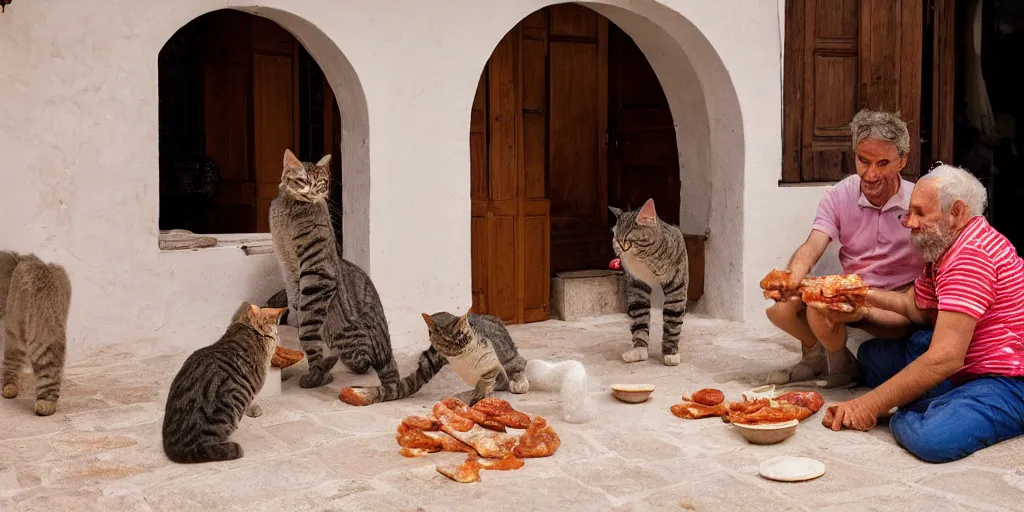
(632, 393)
(767, 433)
(785, 468)
(767, 391)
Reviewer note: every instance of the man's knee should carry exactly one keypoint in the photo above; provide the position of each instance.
(929, 441)
(783, 312)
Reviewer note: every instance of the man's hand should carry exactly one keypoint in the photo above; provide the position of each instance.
(859, 414)
(836, 318)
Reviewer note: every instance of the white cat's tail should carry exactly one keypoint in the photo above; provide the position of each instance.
(570, 378)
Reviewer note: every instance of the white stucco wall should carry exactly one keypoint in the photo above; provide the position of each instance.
(78, 131)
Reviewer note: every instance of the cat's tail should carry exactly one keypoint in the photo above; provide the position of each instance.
(279, 300)
(211, 452)
(431, 361)
(570, 378)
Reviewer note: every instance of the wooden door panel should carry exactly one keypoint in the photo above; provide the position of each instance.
(273, 127)
(831, 74)
(537, 260)
(842, 56)
(501, 265)
(479, 246)
(574, 186)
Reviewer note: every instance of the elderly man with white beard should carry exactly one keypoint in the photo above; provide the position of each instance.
(958, 385)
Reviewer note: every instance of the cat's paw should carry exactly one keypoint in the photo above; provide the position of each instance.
(671, 359)
(45, 407)
(254, 411)
(10, 390)
(315, 378)
(519, 385)
(635, 354)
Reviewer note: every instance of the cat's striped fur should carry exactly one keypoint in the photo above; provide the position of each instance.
(216, 385)
(652, 253)
(481, 351)
(333, 302)
(35, 298)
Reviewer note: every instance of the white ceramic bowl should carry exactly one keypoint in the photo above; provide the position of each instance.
(632, 393)
(767, 433)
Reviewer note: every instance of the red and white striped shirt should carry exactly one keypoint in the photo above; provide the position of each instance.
(981, 275)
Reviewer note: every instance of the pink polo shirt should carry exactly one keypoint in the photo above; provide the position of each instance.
(874, 243)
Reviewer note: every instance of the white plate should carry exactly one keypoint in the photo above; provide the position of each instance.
(785, 468)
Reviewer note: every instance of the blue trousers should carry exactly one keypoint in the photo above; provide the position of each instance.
(948, 422)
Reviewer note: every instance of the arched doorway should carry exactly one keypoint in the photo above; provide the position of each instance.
(236, 90)
(568, 118)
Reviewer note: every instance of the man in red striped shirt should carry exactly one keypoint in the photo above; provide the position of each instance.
(959, 387)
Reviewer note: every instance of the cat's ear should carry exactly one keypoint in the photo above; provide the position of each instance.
(428, 320)
(324, 161)
(273, 313)
(615, 211)
(254, 313)
(291, 161)
(463, 321)
(647, 215)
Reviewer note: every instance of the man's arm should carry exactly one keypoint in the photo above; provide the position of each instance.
(903, 303)
(945, 355)
(807, 255)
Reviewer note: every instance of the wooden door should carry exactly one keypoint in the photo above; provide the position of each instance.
(842, 56)
(643, 162)
(510, 214)
(275, 109)
(227, 80)
(577, 126)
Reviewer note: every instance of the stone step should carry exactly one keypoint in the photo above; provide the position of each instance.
(587, 293)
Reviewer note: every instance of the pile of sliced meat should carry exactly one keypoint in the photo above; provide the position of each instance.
(480, 432)
(706, 403)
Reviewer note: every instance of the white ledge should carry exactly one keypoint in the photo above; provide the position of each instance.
(183, 240)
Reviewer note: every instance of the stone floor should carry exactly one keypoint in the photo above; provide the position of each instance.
(309, 451)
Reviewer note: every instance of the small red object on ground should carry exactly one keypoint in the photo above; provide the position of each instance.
(615, 264)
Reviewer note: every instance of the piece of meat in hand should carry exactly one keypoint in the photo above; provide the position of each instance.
(500, 413)
(540, 440)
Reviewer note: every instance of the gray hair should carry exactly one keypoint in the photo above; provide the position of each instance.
(883, 126)
(955, 184)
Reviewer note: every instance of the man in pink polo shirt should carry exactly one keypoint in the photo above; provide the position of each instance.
(960, 383)
(862, 213)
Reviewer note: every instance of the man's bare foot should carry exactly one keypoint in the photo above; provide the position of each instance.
(635, 354)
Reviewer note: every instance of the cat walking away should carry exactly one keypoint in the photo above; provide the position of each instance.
(653, 253)
(216, 385)
(35, 298)
(332, 302)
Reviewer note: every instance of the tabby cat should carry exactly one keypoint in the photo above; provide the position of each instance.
(35, 298)
(332, 302)
(216, 385)
(653, 253)
(481, 352)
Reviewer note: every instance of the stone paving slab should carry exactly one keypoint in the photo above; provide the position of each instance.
(309, 451)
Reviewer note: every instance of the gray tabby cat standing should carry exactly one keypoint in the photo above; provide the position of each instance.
(335, 306)
(35, 298)
(481, 352)
(653, 253)
(216, 385)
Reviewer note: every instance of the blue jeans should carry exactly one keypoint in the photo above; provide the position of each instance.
(948, 422)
